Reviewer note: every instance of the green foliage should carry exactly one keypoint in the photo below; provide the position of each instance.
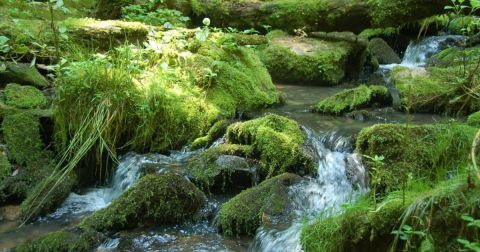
(354, 99)
(244, 213)
(154, 199)
(475, 225)
(279, 142)
(5, 166)
(157, 16)
(426, 152)
(63, 240)
(24, 97)
(474, 120)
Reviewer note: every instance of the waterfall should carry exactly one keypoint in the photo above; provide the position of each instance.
(341, 178)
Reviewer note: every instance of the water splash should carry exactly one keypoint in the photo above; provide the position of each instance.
(321, 195)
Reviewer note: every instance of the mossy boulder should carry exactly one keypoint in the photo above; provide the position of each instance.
(23, 74)
(278, 142)
(154, 199)
(427, 151)
(105, 34)
(244, 213)
(72, 239)
(315, 15)
(365, 226)
(215, 132)
(357, 98)
(474, 120)
(24, 97)
(434, 90)
(216, 170)
(306, 60)
(382, 52)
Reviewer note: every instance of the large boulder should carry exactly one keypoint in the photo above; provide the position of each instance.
(154, 199)
(23, 74)
(311, 60)
(244, 213)
(350, 100)
(382, 52)
(317, 15)
(278, 142)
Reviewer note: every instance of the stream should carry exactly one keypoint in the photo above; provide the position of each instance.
(341, 178)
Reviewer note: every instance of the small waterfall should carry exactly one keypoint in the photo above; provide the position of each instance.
(322, 195)
(127, 173)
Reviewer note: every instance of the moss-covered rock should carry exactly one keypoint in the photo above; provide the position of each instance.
(474, 120)
(215, 132)
(316, 15)
(428, 152)
(354, 99)
(244, 213)
(436, 90)
(155, 199)
(306, 60)
(5, 166)
(23, 74)
(383, 52)
(24, 97)
(218, 170)
(105, 34)
(64, 240)
(434, 213)
(277, 141)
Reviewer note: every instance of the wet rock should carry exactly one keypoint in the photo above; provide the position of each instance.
(10, 213)
(155, 199)
(308, 60)
(350, 100)
(23, 74)
(244, 213)
(360, 115)
(382, 52)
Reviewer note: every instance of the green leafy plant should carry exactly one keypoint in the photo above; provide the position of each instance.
(376, 174)
(149, 13)
(467, 244)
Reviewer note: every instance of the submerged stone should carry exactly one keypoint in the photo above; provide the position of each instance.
(154, 199)
(244, 213)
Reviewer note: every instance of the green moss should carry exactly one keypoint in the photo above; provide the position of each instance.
(278, 142)
(23, 74)
(215, 132)
(64, 240)
(379, 32)
(155, 199)
(425, 152)
(434, 211)
(474, 120)
(5, 166)
(306, 60)
(354, 99)
(24, 97)
(163, 98)
(244, 213)
(436, 90)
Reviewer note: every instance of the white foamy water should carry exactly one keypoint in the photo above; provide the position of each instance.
(322, 195)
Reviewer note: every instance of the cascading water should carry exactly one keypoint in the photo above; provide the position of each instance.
(321, 195)
(127, 173)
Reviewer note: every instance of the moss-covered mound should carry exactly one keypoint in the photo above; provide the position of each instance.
(431, 218)
(354, 99)
(165, 96)
(437, 90)
(474, 120)
(64, 240)
(316, 15)
(23, 74)
(244, 213)
(24, 97)
(425, 152)
(215, 132)
(277, 141)
(306, 60)
(382, 52)
(155, 199)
